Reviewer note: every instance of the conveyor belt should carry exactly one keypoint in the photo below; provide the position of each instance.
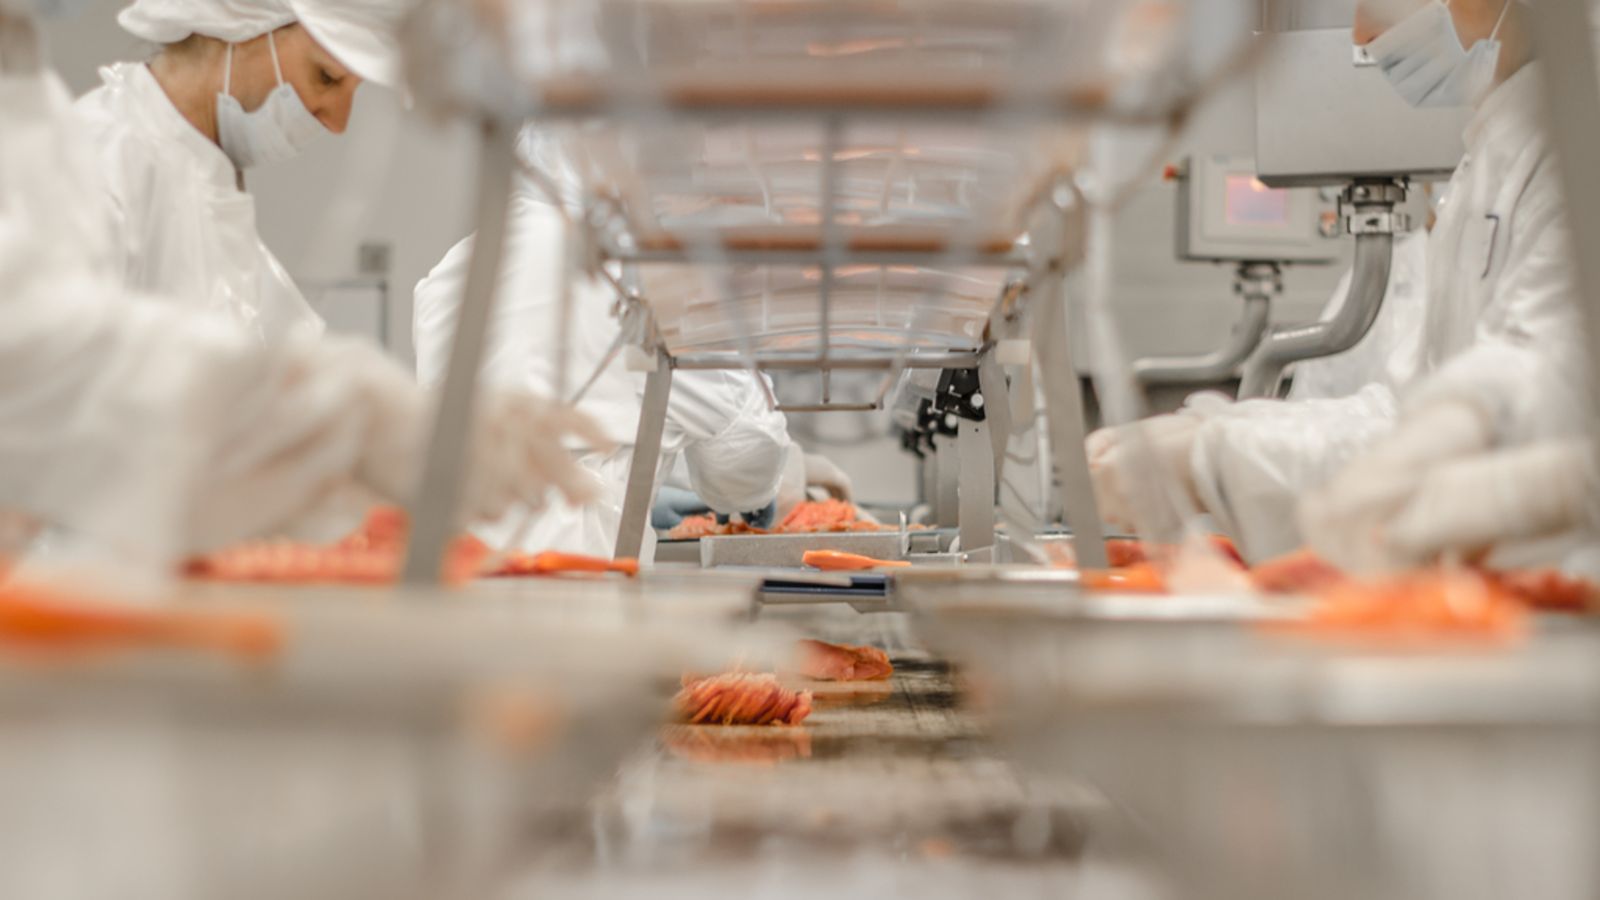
(890, 784)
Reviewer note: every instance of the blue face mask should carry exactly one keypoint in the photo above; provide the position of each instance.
(1424, 60)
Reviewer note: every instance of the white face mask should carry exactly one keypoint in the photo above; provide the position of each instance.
(278, 130)
(1424, 60)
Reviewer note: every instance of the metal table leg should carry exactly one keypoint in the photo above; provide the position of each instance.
(436, 505)
(947, 496)
(996, 409)
(976, 458)
(646, 461)
(1063, 398)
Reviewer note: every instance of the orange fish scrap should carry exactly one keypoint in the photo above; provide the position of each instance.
(372, 554)
(741, 698)
(840, 561)
(1546, 590)
(552, 562)
(822, 661)
(1427, 605)
(39, 617)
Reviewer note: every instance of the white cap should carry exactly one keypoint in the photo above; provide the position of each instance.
(361, 34)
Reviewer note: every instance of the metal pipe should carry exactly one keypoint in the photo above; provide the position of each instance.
(1258, 283)
(438, 498)
(1374, 224)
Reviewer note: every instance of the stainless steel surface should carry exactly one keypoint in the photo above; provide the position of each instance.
(1267, 766)
(1368, 207)
(1321, 120)
(788, 550)
(436, 505)
(1257, 284)
(390, 749)
(646, 460)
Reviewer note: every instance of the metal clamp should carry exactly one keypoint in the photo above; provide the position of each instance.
(1369, 207)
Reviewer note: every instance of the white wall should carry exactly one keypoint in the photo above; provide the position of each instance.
(402, 180)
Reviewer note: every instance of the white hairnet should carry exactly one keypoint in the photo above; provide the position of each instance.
(361, 34)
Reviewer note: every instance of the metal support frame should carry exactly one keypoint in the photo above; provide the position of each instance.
(1562, 33)
(1370, 216)
(1064, 416)
(947, 483)
(646, 460)
(436, 504)
(996, 410)
(975, 462)
(1258, 283)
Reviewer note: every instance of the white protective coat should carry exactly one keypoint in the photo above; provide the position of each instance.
(149, 433)
(123, 420)
(1503, 346)
(735, 447)
(184, 228)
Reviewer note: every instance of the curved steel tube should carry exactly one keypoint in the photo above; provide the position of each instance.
(1220, 364)
(1369, 283)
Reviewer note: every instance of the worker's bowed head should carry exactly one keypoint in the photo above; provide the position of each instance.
(282, 71)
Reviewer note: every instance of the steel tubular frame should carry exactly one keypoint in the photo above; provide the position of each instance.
(435, 506)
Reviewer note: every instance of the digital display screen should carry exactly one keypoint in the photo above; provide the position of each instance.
(1249, 202)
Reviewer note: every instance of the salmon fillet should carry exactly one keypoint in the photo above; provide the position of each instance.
(741, 698)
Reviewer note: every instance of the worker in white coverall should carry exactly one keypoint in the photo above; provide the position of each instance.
(234, 84)
(1493, 449)
(737, 450)
(1499, 297)
(158, 433)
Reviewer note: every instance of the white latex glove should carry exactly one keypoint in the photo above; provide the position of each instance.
(517, 453)
(823, 473)
(1349, 521)
(1114, 458)
(1466, 508)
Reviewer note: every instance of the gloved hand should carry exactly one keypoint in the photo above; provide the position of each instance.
(1114, 454)
(1470, 506)
(516, 455)
(1351, 521)
(334, 412)
(823, 473)
(792, 483)
(1114, 457)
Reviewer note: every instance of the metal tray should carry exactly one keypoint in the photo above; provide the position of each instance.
(788, 550)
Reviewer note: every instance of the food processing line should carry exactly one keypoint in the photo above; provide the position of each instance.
(1039, 737)
(772, 189)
